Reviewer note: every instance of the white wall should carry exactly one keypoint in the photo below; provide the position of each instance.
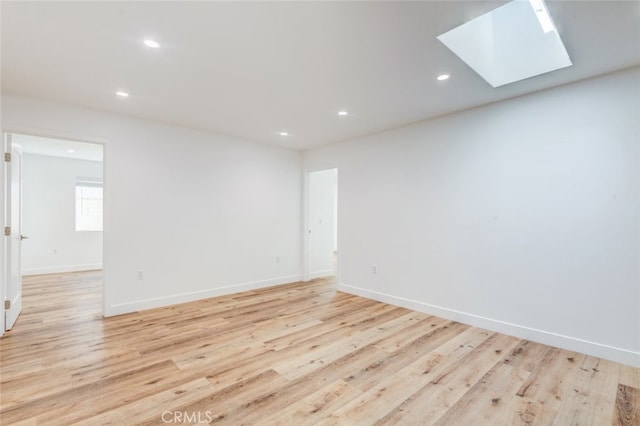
(48, 216)
(200, 214)
(521, 216)
(322, 189)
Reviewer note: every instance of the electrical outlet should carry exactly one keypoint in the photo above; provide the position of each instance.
(54, 251)
(374, 269)
(278, 259)
(140, 274)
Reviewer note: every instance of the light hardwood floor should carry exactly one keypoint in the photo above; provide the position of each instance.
(295, 354)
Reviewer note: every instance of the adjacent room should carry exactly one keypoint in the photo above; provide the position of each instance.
(61, 205)
(349, 213)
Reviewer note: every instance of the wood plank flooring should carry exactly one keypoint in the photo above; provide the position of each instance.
(297, 354)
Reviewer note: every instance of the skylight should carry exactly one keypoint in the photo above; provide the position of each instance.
(513, 42)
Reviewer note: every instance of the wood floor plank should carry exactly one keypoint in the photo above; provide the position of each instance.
(244, 341)
(485, 402)
(33, 385)
(152, 408)
(630, 376)
(314, 407)
(441, 394)
(390, 364)
(306, 385)
(541, 396)
(301, 353)
(627, 406)
(396, 341)
(317, 356)
(391, 392)
(347, 320)
(229, 403)
(508, 408)
(589, 403)
(103, 393)
(526, 355)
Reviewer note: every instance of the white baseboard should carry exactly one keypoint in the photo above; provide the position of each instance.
(545, 337)
(321, 274)
(140, 305)
(61, 269)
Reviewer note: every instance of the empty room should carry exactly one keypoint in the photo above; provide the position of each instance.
(298, 213)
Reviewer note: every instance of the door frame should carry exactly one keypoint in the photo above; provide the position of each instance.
(5, 180)
(5, 240)
(13, 241)
(306, 222)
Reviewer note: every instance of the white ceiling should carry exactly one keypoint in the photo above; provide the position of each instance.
(58, 147)
(253, 69)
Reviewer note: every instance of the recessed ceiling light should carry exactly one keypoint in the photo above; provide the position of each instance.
(71, 151)
(122, 94)
(443, 77)
(284, 134)
(152, 43)
(343, 113)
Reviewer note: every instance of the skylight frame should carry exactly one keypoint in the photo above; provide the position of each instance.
(513, 42)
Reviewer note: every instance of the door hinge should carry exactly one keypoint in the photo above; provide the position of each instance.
(7, 304)
(7, 156)
(7, 231)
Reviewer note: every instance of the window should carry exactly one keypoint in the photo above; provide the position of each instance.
(88, 204)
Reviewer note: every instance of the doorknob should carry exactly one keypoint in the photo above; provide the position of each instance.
(23, 237)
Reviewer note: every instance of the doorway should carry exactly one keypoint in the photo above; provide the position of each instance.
(54, 203)
(322, 224)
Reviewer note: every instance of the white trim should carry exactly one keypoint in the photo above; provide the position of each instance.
(175, 299)
(3, 258)
(612, 353)
(53, 134)
(321, 274)
(306, 276)
(61, 269)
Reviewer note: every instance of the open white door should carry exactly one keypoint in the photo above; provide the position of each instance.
(321, 222)
(13, 294)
